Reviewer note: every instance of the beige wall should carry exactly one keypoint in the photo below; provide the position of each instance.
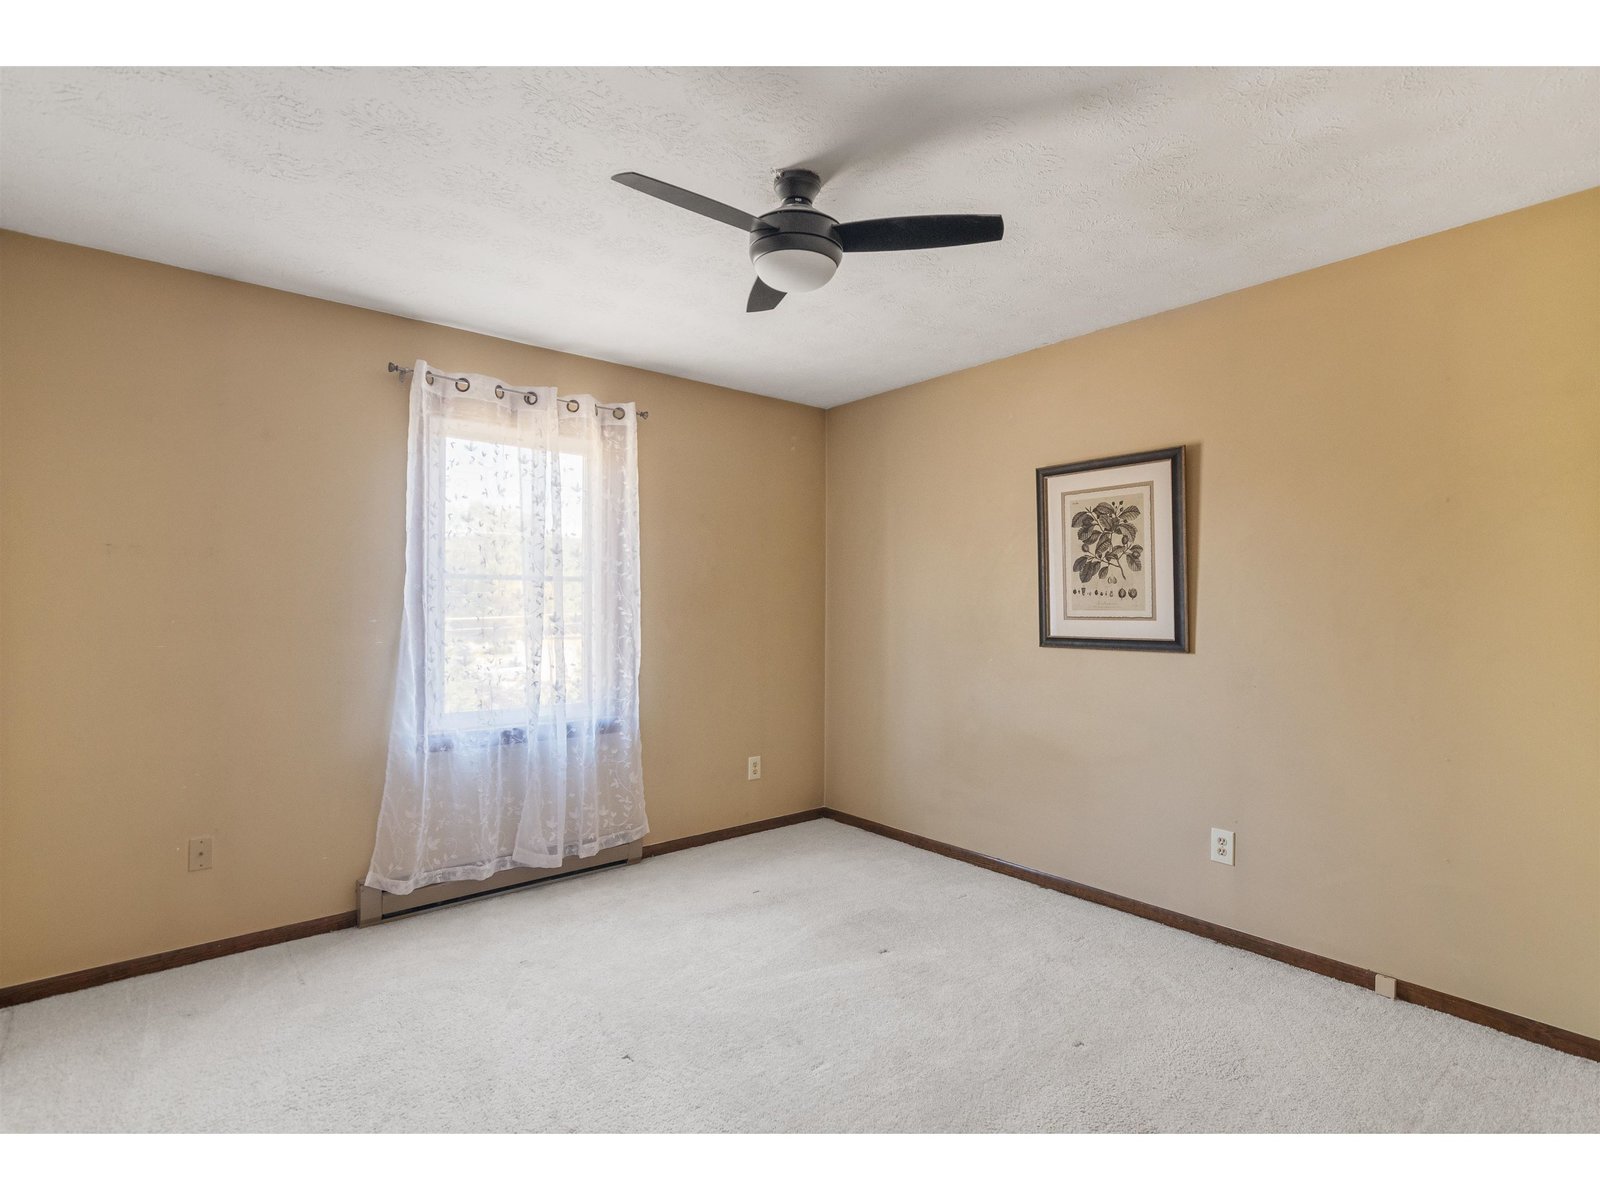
(1394, 694)
(201, 527)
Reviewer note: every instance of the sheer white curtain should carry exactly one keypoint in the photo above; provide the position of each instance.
(515, 734)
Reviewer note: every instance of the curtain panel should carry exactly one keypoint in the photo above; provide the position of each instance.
(514, 739)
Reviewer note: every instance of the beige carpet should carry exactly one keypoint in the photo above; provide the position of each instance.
(811, 978)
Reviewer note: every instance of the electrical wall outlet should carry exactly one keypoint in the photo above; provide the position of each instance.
(200, 854)
(753, 770)
(1222, 846)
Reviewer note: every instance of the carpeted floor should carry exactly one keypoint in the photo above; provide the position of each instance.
(811, 978)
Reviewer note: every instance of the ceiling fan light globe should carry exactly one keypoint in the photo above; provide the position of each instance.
(795, 270)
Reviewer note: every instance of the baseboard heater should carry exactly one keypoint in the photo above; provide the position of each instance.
(374, 906)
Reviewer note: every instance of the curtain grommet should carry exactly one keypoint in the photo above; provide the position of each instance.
(618, 413)
(530, 398)
(463, 384)
(573, 406)
(429, 377)
(499, 392)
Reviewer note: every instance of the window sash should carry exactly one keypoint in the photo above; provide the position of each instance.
(447, 727)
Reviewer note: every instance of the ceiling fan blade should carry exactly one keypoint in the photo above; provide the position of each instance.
(918, 233)
(684, 198)
(763, 298)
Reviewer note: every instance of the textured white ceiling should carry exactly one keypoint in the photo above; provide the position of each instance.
(481, 198)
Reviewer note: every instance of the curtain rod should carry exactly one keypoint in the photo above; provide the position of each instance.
(501, 390)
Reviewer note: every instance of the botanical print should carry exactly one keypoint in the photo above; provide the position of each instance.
(1106, 540)
(1111, 553)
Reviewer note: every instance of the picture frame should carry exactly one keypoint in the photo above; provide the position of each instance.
(1113, 566)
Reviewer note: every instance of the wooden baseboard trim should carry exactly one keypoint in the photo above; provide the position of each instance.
(1525, 1028)
(76, 981)
(1207, 929)
(722, 835)
(56, 985)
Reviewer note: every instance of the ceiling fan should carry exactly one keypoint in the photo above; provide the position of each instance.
(795, 248)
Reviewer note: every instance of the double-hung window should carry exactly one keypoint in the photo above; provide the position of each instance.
(513, 641)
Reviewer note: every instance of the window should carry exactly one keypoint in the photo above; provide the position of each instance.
(512, 520)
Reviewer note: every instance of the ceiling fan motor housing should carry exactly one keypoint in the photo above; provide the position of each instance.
(794, 247)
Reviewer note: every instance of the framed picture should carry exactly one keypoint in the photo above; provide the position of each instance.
(1112, 573)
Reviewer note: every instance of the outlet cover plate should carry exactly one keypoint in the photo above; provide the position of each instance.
(200, 854)
(1222, 847)
(753, 768)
